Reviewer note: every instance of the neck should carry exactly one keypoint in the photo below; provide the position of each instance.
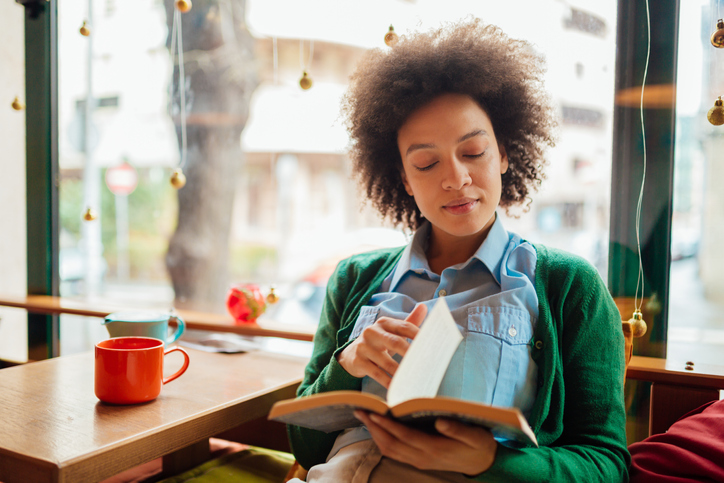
(445, 250)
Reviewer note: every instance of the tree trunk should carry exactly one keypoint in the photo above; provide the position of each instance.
(219, 79)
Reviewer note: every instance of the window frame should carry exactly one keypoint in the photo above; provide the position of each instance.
(41, 88)
(628, 163)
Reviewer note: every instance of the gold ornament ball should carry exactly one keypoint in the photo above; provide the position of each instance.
(391, 37)
(305, 82)
(637, 324)
(178, 179)
(183, 6)
(272, 298)
(17, 105)
(716, 113)
(90, 214)
(717, 38)
(84, 29)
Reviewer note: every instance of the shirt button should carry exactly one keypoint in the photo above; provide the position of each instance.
(442, 293)
(512, 332)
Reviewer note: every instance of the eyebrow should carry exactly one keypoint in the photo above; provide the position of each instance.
(472, 134)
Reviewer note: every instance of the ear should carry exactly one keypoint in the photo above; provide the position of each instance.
(405, 183)
(503, 159)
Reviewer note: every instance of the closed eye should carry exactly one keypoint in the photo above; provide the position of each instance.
(426, 168)
(474, 155)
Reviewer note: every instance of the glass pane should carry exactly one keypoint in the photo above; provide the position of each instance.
(696, 303)
(571, 210)
(13, 322)
(268, 197)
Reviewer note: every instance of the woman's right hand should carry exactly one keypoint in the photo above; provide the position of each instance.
(371, 353)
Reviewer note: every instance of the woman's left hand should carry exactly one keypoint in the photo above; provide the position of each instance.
(460, 448)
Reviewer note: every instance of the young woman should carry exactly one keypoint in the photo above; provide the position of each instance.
(448, 126)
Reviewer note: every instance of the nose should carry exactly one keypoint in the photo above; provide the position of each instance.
(456, 175)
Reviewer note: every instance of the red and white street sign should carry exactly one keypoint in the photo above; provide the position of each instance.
(122, 179)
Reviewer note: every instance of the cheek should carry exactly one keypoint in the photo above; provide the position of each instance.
(490, 179)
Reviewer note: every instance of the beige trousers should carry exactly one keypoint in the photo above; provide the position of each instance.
(362, 462)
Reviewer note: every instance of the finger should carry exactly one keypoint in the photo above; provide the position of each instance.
(375, 372)
(473, 436)
(393, 447)
(382, 336)
(402, 328)
(417, 315)
(412, 437)
(380, 359)
(387, 443)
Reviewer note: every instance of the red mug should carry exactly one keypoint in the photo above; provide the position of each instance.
(129, 370)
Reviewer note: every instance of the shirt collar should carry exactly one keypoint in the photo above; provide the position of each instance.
(490, 253)
(493, 248)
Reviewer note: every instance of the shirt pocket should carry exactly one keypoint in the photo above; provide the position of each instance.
(367, 316)
(498, 368)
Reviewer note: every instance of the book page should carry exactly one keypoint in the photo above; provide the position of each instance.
(423, 367)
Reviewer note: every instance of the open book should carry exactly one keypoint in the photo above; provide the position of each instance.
(411, 397)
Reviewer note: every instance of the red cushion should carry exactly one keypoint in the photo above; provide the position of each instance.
(692, 450)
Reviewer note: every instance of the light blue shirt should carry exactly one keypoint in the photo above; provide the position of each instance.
(493, 301)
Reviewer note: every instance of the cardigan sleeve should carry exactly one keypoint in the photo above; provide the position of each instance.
(323, 373)
(351, 285)
(583, 420)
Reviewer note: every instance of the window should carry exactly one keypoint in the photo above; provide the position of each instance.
(696, 290)
(312, 148)
(269, 198)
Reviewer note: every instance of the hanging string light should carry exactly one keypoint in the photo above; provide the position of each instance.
(183, 6)
(391, 37)
(85, 29)
(178, 178)
(716, 114)
(17, 105)
(717, 38)
(305, 82)
(272, 297)
(90, 214)
(637, 322)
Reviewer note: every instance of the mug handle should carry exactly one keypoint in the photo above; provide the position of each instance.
(183, 368)
(180, 327)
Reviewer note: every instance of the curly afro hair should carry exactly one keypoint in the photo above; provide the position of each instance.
(504, 76)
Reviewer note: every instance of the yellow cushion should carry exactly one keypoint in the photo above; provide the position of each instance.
(253, 465)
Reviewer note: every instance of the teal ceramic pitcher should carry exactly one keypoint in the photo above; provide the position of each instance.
(143, 324)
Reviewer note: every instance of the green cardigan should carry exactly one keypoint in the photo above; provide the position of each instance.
(578, 416)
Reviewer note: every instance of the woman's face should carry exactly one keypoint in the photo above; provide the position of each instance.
(452, 166)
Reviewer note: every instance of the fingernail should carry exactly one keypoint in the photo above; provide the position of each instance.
(375, 418)
(442, 425)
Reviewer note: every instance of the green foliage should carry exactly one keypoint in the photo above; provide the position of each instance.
(71, 205)
(152, 211)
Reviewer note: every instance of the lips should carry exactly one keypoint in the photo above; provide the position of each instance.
(460, 206)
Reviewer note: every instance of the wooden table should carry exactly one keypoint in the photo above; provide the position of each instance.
(46, 304)
(54, 429)
(675, 389)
